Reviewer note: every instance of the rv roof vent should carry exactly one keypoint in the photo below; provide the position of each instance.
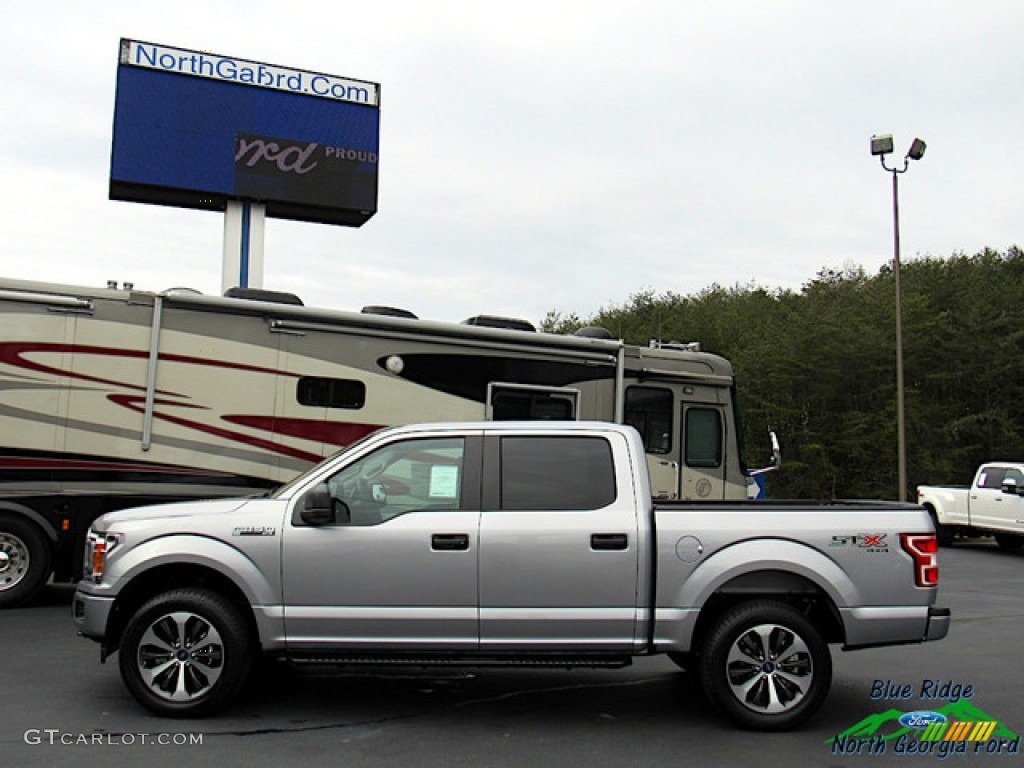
(260, 294)
(594, 332)
(490, 321)
(181, 290)
(375, 309)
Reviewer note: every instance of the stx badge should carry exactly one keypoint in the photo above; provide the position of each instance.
(871, 542)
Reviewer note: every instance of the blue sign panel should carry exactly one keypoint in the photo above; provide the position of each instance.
(197, 129)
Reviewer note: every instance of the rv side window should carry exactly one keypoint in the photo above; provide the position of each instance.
(556, 473)
(331, 393)
(703, 437)
(649, 411)
(530, 406)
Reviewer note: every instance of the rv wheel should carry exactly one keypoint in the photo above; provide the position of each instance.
(24, 560)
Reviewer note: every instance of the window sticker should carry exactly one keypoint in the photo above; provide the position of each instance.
(444, 482)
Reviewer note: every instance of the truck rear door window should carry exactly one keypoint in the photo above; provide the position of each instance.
(556, 473)
(703, 437)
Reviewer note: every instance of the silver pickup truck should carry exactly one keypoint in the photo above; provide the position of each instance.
(504, 543)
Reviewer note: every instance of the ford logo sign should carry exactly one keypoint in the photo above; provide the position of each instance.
(921, 719)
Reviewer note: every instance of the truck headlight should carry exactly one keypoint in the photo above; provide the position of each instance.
(98, 546)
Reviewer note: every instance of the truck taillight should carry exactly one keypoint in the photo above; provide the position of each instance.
(924, 548)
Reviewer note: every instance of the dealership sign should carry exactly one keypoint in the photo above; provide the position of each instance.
(196, 129)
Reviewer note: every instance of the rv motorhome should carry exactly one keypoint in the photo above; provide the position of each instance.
(114, 397)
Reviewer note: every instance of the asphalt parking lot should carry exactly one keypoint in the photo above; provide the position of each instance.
(62, 707)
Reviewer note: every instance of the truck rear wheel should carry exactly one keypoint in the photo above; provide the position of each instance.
(945, 534)
(25, 559)
(1009, 541)
(186, 653)
(765, 665)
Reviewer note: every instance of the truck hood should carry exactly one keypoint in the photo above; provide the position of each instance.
(169, 511)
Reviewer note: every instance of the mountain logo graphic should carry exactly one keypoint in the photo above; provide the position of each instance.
(959, 719)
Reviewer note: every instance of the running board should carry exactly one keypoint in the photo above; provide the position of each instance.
(551, 660)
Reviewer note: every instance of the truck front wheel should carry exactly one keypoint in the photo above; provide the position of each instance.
(186, 653)
(765, 665)
(25, 559)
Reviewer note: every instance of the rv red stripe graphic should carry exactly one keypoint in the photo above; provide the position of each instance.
(20, 355)
(333, 432)
(137, 404)
(14, 353)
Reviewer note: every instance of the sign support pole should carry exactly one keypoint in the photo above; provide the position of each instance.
(244, 227)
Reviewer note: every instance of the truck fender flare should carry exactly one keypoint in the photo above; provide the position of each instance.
(20, 509)
(756, 555)
(195, 550)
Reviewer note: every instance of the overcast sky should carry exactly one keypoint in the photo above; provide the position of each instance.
(547, 155)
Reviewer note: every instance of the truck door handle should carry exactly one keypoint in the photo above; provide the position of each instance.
(608, 541)
(449, 542)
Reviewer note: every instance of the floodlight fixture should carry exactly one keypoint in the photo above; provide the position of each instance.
(881, 147)
(881, 144)
(916, 151)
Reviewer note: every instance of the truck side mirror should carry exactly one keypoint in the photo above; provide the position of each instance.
(1010, 486)
(317, 506)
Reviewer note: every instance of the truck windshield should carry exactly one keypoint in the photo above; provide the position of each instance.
(286, 488)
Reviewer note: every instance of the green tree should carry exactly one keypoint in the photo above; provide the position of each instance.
(818, 366)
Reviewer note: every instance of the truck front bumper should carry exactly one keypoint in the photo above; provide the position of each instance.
(90, 614)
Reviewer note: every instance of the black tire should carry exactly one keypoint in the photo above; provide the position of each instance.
(944, 534)
(685, 661)
(765, 666)
(1011, 542)
(186, 653)
(25, 560)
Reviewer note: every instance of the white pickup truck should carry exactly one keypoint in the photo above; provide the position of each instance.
(514, 543)
(992, 505)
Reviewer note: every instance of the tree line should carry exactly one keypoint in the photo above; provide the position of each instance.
(818, 366)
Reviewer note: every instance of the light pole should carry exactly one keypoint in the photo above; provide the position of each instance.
(882, 146)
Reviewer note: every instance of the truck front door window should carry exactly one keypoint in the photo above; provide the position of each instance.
(992, 478)
(399, 478)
